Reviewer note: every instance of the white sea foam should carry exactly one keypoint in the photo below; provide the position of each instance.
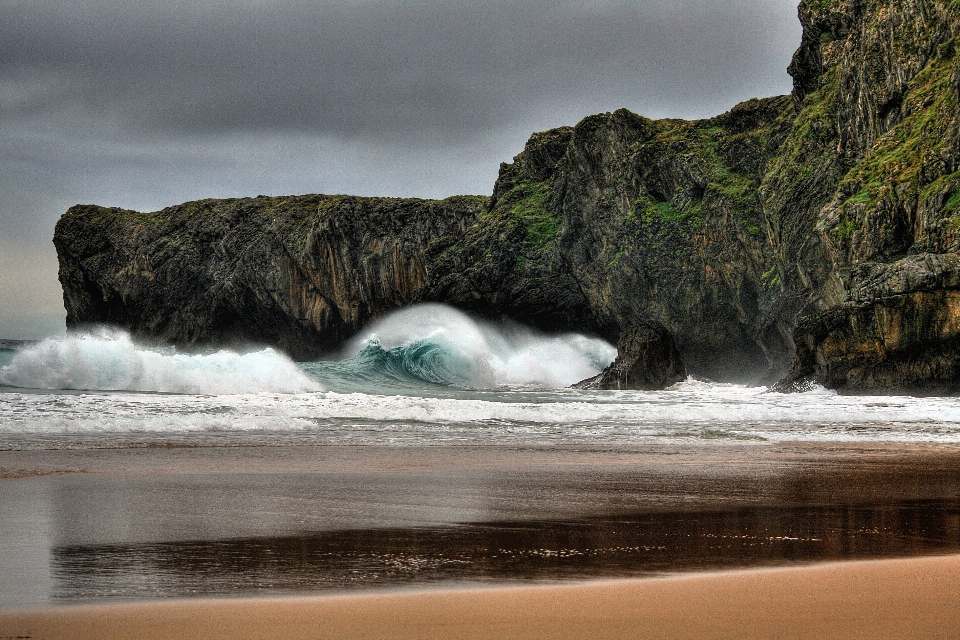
(263, 395)
(484, 355)
(691, 410)
(109, 360)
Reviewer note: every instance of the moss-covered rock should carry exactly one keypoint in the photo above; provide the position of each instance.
(884, 78)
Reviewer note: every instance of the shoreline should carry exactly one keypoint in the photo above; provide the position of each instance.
(890, 598)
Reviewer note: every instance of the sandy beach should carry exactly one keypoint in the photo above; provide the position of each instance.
(95, 526)
(905, 598)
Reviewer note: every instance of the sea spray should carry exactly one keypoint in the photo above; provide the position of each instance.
(410, 350)
(436, 344)
(109, 360)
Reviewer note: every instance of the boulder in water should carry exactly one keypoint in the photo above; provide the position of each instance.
(648, 359)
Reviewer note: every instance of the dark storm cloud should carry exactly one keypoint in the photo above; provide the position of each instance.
(379, 68)
(146, 104)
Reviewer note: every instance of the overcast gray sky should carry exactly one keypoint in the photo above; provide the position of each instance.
(145, 105)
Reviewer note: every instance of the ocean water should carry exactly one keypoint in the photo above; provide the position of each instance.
(427, 375)
(129, 472)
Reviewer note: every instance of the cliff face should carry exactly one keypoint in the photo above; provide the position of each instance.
(302, 273)
(833, 211)
(621, 221)
(880, 82)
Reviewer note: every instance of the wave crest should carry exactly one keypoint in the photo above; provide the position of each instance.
(437, 345)
(418, 347)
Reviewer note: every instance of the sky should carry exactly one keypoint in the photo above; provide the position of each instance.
(144, 105)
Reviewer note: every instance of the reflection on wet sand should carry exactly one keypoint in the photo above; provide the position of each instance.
(146, 523)
(611, 546)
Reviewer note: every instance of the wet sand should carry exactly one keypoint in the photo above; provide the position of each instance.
(902, 599)
(81, 526)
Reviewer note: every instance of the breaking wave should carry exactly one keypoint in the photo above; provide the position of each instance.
(415, 348)
(432, 344)
(110, 361)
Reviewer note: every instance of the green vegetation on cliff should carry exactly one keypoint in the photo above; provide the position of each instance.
(907, 172)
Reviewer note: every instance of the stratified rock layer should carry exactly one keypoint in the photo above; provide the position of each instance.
(834, 211)
(900, 330)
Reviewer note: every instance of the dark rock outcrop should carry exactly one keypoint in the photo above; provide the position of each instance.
(899, 330)
(821, 227)
(301, 273)
(647, 359)
(874, 263)
(637, 220)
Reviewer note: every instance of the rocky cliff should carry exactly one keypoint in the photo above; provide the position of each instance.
(302, 273)
(819, 228)
(879, 82)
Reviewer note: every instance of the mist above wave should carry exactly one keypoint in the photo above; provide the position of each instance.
(109, 360)
(436, 344)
